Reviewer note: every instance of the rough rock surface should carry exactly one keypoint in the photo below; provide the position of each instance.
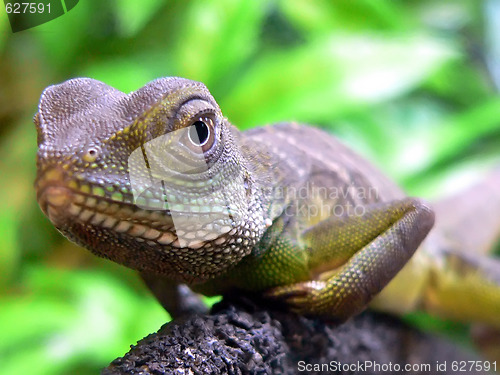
(240, 336)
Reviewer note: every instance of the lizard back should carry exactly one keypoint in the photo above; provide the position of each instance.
(324, 177)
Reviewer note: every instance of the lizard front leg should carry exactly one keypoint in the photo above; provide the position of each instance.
(176, 298)
(365, 252)
(452, 276)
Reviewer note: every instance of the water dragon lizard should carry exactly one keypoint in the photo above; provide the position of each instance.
(160, 181)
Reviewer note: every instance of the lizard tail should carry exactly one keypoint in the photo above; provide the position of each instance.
(471, 219)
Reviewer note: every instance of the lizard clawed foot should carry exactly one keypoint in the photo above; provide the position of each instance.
(300, 297)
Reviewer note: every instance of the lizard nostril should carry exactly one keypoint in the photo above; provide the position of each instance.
(54, 196)
(54, 202)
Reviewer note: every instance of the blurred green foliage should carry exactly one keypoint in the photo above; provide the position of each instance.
(405, 83)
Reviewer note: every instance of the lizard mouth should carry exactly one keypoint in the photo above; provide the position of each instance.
(66, 206)
(69, 206)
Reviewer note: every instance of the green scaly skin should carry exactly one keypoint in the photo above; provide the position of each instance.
(286, 210)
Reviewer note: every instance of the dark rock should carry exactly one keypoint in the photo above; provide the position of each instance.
(243, 337)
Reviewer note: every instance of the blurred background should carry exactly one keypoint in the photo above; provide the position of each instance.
(411, 85)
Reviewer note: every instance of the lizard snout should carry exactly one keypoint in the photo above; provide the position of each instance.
(53, 196)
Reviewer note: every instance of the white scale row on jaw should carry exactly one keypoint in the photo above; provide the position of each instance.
(121, 226)
(141, 232)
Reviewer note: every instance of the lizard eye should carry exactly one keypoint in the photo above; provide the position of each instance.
(201, 134)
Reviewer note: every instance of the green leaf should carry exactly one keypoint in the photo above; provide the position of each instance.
(4, 29)
(134, 15)
(331, 76)
(71, 320)
(322, 16)
(62, 38)
(448, 141)
(125, 74)
(17, 148)
(9, 256)
(216, 37)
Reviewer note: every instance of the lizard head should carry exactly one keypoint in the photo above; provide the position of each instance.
(153, 180)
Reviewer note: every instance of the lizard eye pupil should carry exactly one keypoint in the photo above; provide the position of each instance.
(199, 133)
